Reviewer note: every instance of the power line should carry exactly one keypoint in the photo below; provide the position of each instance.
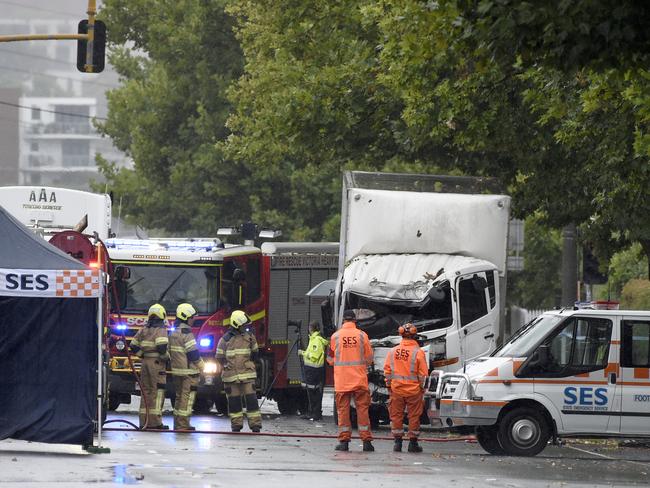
(37, 56)
(63, 77)
(17, 105)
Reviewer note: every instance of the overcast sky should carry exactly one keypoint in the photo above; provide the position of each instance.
(64, 9)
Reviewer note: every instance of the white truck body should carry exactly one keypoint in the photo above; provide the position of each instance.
(50, 210)
(435, 259)
(567, 373)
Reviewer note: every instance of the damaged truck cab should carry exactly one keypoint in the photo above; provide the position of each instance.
(410, 252)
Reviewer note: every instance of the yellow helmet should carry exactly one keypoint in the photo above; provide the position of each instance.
(185, 311)
(157, 310)
(238, 318)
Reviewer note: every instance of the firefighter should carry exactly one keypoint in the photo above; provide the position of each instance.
(405, 371)
(237, 352)
(186, 365)
(150, 343)
(351, 355)
(314, 370)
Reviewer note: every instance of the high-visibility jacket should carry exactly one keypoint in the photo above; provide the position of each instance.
(350, 354)
(151, 342)
(184, 354)
(237, 352)
(406, 368)
(314, 355)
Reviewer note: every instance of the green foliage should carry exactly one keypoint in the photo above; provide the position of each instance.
(636, 295)
(538, 285)
(169, 114)
(624, 266)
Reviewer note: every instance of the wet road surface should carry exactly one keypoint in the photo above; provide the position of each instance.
(209, 460)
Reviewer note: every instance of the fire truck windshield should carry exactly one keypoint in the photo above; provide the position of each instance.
(168, 285)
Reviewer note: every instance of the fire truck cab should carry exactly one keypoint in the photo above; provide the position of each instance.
(566, 373)
(216, 278)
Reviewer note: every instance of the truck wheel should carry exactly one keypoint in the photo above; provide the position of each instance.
(287, 404)
(486, 435)
(523, 432)
(221, 404)
(202, 405)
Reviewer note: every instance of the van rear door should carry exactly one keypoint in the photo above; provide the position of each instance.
(635, 375)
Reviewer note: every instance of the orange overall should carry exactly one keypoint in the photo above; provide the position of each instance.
(405, 370)
(350, 354)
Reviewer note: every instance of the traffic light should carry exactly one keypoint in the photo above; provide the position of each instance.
(99, 47)
(591, 274)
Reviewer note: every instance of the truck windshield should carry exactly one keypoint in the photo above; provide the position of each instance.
(381, 318)
(169, 286)
(529, 336)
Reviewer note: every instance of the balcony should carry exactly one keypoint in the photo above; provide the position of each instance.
(40, 161)
(62, 128)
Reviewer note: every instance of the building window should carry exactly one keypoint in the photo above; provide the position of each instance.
(75, 153)
(34, 146)
(36, 113)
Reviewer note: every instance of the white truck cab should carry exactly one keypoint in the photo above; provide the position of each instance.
(566, 373)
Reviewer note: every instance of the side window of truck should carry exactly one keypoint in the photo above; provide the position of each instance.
(636, 344)
(580, 346)
(253, 280)
(491, 288)
(472, 301)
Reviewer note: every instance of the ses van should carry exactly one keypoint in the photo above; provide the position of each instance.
(567, 373)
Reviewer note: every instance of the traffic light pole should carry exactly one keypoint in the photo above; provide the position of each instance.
(89, 37)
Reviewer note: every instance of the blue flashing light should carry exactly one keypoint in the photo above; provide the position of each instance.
(121, 326)
(206, 342)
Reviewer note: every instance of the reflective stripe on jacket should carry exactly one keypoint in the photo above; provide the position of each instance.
(314, 355)
(406, 368)
(350, 354)
(181, 345)
(235, 352)
(148, 340)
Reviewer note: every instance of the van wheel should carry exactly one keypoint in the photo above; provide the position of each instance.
(486, 435)
(523, 432)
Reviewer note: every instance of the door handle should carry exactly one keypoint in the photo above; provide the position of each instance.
(612, 378)
(488, 336)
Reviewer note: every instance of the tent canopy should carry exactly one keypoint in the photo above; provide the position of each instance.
(49, 338)
(22, 249)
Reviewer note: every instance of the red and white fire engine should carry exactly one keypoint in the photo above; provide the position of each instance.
(268, 283)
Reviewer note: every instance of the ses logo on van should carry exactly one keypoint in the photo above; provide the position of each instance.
(585, 398)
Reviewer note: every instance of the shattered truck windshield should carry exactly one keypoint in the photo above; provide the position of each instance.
(381, 318)
(169, 286)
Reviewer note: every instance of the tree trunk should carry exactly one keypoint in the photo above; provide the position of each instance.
(645, 244)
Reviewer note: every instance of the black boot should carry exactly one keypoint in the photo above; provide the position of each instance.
(342, 446)
(414, 446)
(367, 446)
(397, 447)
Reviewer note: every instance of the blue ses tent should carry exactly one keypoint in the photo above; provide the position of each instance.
(50, 340)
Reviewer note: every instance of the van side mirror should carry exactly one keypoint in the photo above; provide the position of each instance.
(238, 275)
(541, 357)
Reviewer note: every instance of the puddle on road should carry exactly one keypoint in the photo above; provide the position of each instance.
(121, 475)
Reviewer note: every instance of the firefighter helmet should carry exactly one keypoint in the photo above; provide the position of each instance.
(239, 318)
(407, 330)
(157, 310)
(185, 311)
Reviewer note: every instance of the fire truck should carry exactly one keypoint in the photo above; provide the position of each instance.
(268, 283)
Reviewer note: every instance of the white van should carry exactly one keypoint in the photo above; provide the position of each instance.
(567, 373)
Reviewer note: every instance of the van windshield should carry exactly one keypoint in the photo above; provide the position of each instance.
(529, 336)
